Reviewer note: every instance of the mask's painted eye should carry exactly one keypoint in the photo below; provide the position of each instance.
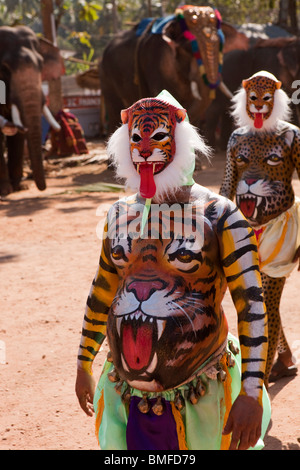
(267, 97)
(117, 253)
(160, 136)
(253, 97)
(136, 138)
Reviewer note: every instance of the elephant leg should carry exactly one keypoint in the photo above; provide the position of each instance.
(15, 149)
(5, 186)
(113, 107)
(272, 288)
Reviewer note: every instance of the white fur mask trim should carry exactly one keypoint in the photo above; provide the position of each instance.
(281, 111)
(187, 140)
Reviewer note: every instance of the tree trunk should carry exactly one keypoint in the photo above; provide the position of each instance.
(283, 13)
(293, 16)
(55, 88)
(287, 17)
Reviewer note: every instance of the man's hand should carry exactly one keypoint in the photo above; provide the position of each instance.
(297, 257)
(85, 389)
(244, 422)
(10, 129)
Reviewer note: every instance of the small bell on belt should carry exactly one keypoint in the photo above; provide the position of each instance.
(234, 349)
(126, 395)
(200, 388)
(192, 396)
(179, 401)
(109, 357)
(113, 376)
(118, 387)
(230, 360)
(144, 405)
(222, 375)
(158, 407)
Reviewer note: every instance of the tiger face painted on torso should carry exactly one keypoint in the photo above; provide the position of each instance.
(167, 314)
(259, 171)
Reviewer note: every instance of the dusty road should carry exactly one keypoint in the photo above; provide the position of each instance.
(49, 252)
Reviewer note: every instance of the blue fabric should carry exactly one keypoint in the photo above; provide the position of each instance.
(160, 23)
(157, 27)
(147, 431)
(142, 26)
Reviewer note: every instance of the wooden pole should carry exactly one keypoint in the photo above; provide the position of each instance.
(55, 87)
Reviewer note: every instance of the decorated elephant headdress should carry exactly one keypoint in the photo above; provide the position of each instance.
(154, 149)
(260, 102)
(202, 27)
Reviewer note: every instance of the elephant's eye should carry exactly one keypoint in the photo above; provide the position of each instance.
(160, 136)
(136, 138)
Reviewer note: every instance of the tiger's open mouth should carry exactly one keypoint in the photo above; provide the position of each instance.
(139, 335)
(248, 204)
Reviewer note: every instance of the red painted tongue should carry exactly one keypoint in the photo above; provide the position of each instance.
(258, 120)
(247, 207)
(137, 347)
(147, 184)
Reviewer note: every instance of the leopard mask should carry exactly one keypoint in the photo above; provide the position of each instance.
(260, 103)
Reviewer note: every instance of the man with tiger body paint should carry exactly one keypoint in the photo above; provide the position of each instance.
(175, 378)
(262, 155)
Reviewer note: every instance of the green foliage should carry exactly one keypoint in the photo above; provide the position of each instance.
(85, 26)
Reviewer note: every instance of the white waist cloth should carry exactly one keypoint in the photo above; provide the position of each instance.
(278, 241)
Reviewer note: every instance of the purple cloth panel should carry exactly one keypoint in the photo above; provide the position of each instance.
(147, 431)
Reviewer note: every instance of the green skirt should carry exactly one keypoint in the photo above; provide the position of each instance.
(199, 426)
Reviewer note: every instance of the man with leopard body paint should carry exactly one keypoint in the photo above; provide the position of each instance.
(262, 155)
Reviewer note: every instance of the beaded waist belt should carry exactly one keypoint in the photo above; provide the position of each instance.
(194, 387)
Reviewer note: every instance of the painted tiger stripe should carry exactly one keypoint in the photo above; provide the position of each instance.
(242, 273)
(240, 265)
(101, 295)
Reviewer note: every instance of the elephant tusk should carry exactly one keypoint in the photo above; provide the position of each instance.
(225, 90)
(15, 115)
(49, 117)
(195, 91)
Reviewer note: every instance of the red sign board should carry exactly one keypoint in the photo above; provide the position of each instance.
(74, 102)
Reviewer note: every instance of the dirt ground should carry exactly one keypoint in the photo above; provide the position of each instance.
(49, 253)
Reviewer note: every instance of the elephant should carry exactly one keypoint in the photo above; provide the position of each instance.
(279, 56)
(25, 61)
(181, 53)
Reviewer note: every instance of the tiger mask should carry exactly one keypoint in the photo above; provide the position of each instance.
(150, 151)
(260, 103)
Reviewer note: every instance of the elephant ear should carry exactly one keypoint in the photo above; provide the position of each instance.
(233, 38)
(53, 65)
(289, 58)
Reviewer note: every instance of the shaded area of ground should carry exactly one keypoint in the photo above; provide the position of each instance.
(48, 256)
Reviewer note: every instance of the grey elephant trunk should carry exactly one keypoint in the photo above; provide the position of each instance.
(26, 112)
(210, 55)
